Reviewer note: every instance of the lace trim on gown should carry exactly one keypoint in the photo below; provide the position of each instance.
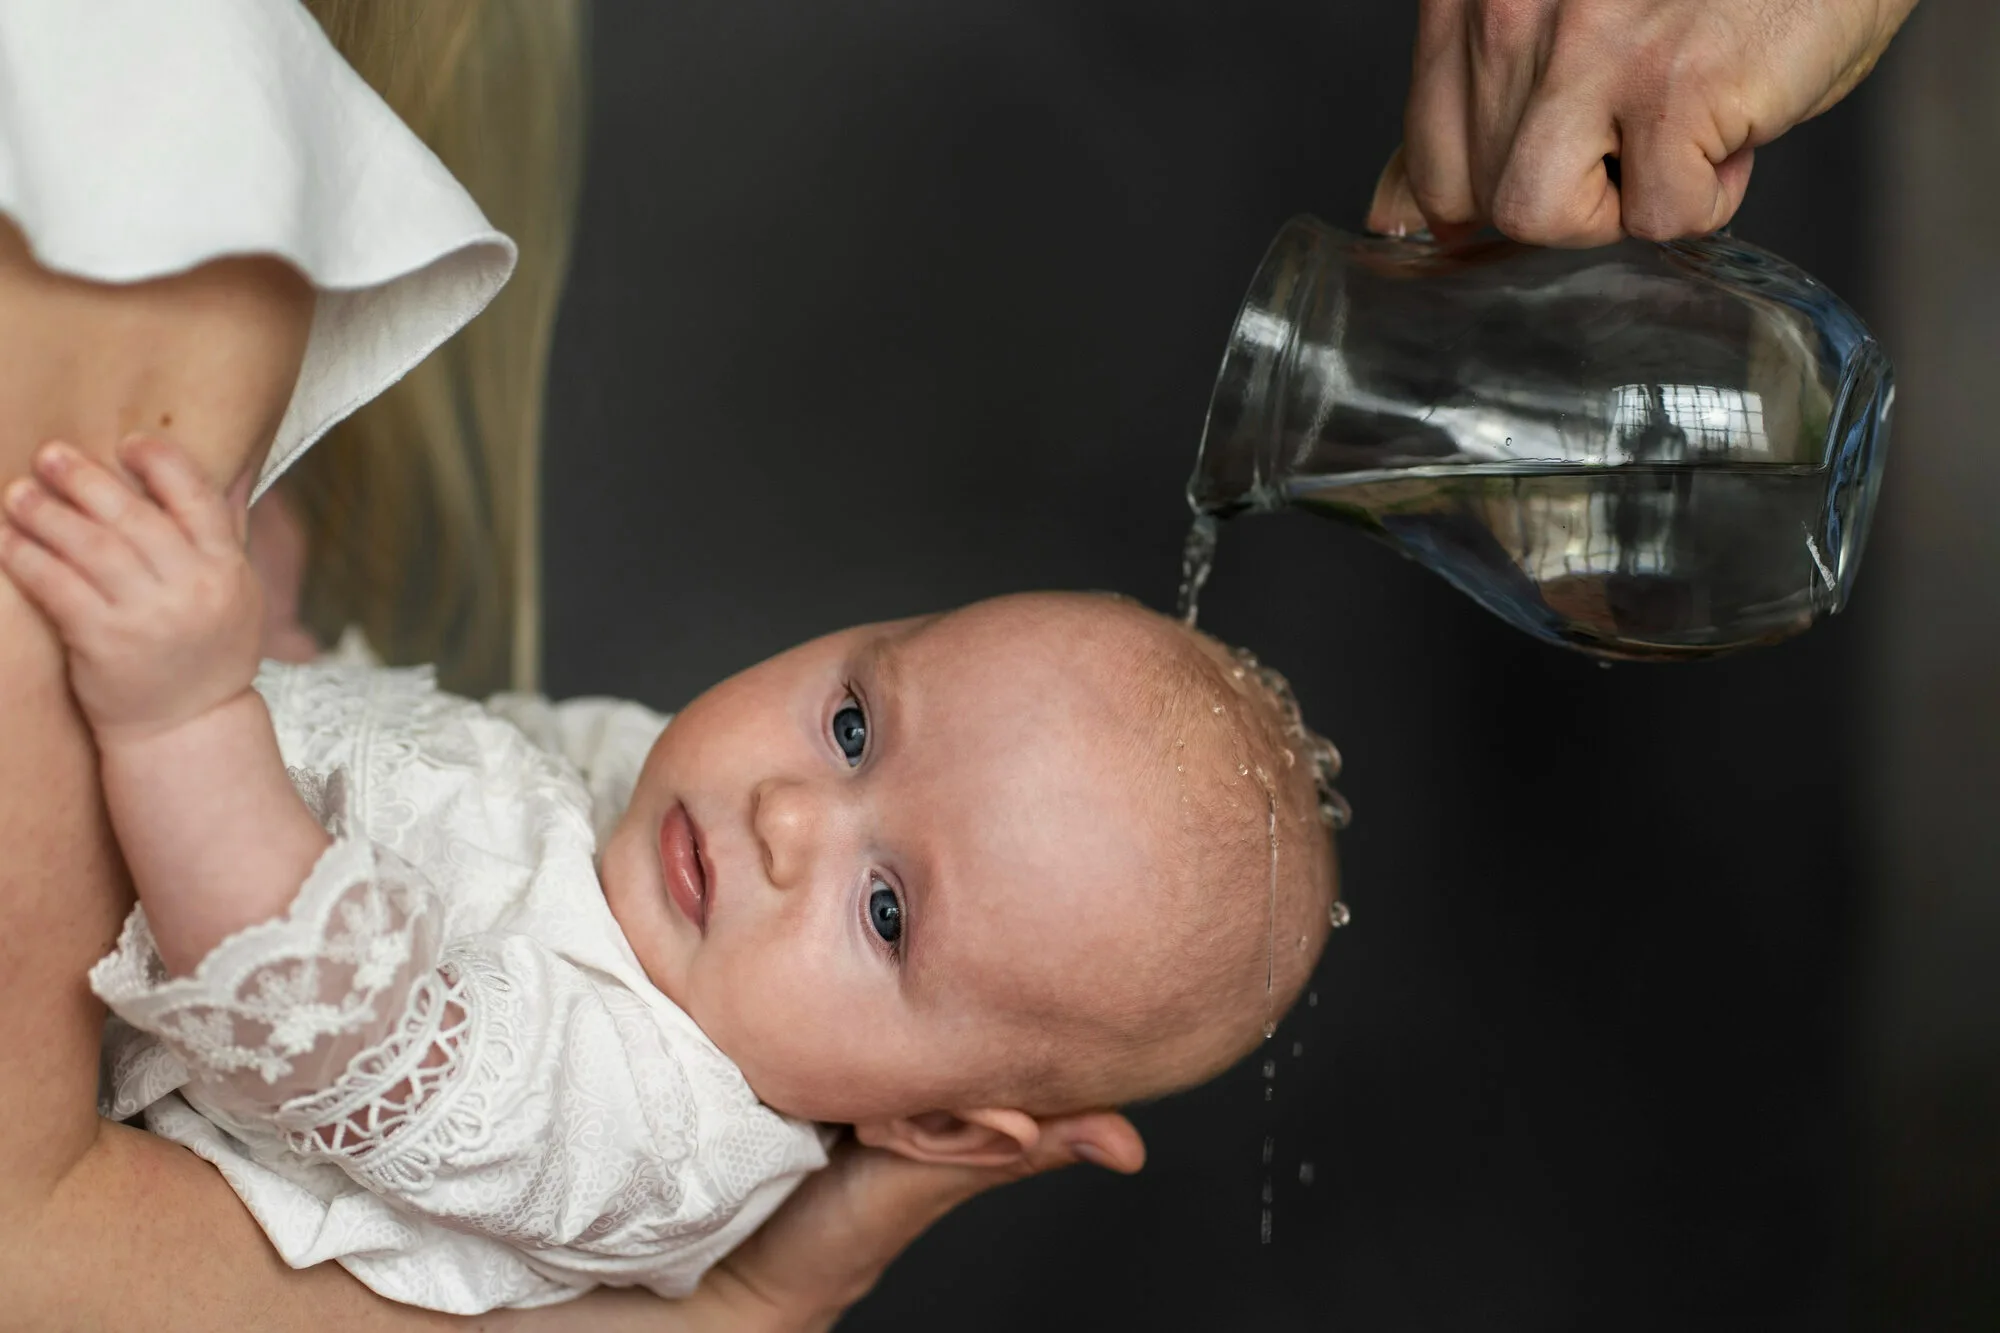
(336, 1022)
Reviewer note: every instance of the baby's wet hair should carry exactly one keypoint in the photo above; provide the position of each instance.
(1223, 743)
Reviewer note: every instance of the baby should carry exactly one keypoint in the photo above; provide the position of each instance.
(495, 1003)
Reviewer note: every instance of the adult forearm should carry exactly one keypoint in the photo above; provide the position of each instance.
(171, 1249)
(217, 350)
(102, 1227)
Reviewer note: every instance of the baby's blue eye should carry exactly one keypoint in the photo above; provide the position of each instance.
(885, 913)
(850, 732)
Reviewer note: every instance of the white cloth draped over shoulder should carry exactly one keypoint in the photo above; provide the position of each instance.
(444, 1067)
(142, 138)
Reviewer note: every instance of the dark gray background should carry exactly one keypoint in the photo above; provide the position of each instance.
(883, 305)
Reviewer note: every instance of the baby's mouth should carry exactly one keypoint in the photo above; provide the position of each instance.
(680, 861)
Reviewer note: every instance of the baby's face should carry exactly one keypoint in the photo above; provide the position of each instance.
(866, 865)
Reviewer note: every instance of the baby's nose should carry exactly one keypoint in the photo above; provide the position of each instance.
(787, 821)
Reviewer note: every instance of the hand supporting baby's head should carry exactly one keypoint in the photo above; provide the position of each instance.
(942, 877)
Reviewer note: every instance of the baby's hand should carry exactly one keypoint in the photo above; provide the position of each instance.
(151, 593)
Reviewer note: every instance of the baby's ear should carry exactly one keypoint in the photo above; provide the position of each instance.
(985, 1137)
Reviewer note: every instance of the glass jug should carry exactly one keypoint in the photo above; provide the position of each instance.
(1642, 451)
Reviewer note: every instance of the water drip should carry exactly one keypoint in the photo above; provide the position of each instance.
(1271, 955)
(1197, 562)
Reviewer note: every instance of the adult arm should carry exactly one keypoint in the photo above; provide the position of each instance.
(98, 1222)
(209, 357)
(1515, 104)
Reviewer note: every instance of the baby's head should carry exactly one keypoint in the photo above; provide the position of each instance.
(941, 877)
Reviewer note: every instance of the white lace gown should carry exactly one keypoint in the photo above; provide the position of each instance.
(443, 1068)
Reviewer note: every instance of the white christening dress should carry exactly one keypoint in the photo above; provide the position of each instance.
(443, 1068)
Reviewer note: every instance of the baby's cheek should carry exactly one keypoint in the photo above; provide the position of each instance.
(786, 1033)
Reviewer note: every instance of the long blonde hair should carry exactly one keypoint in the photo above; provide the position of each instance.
(422, 510)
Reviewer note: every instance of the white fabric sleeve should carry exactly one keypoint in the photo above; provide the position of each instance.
(141, 138)
(489, 1086)
(308, 1020)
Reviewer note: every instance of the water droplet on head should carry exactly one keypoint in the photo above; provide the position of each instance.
(1180, 743)
(1270, 1069)
(1326, 758)
(1216, 709)
(1243, 770)
(1270, 1030)
(1334, 811)
(1267, 1092)
(1338, 915)
(1302, 944)
(1305, 1173)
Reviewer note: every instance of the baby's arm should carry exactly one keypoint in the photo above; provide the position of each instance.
(158, 610)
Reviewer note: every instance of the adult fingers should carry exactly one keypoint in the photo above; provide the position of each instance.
(1671, 187)
(1506, 45)
(1435, 120)
(183, 492)
(1394, 210)
(1556, 189)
